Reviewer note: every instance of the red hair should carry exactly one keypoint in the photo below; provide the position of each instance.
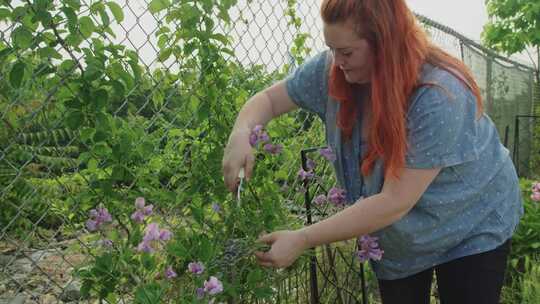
(400, 48)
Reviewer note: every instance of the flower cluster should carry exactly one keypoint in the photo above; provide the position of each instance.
(143, 210)
(153, 236)
(212, 286)
(309, 174)
(260, 136)
(98, 217)
(335, 196)
(535, 196)
(369, 249)
(328, 153)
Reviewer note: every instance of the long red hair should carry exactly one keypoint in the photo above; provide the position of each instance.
(400, 48)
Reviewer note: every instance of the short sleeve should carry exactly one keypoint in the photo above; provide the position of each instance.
(308, 85)
(442, 125)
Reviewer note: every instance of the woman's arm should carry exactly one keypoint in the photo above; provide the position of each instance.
(396, 199)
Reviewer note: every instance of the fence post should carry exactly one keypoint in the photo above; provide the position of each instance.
(314, 290)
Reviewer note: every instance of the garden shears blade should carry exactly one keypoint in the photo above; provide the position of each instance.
(241, 175)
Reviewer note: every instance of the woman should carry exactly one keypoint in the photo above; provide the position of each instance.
(422, 164)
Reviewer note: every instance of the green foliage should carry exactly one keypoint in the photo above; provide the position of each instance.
(526, 239)
(513, 25)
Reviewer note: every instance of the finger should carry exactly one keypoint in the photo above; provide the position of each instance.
(250, 163)
(267, 238)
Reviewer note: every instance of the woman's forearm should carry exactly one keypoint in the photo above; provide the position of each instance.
(256, 111)
(366, 216)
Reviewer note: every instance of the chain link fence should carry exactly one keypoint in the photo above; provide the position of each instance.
(104, 102)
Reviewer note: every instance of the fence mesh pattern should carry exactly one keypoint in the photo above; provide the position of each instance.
(104, 102)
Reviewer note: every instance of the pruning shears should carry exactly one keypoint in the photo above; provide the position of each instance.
(241, 176)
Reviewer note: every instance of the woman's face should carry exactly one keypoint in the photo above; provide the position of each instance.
(352, 54)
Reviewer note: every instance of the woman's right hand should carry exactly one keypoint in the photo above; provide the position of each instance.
(238, 154)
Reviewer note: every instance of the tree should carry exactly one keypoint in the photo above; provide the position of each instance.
(513, 26)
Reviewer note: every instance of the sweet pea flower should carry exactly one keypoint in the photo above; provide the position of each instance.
(273, 149)
(320, 199)
(328, 153)
(305, 175)
(170, 273)
(139, 202)
(336, 196)
(369, 249)
(196, 267)
(200, 293)
(213, 286)
(258, 135)
(535, 196)
(142, 211)
(153, 235)
(98, 217)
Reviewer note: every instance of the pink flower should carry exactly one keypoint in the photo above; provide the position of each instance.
(147, 210)
(369, 249)
(196, 267)
(535, 196)
(170, 273)
(200, 293)
(145, 247)
(213, 286)
(142, 210)
(310, 164)
(536, 187)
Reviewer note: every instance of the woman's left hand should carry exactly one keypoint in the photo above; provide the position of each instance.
(286, 247)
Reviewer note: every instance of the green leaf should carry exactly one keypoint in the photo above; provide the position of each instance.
(4, 14)
(49, 52)
(157, 6)
(75, 119)
(22, 37)
(87, 26)
(116, 10)
(164, 54)
(17, 74)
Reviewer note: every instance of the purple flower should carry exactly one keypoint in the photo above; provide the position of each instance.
(216, 207)
(328, 153)
(200, 293)
(107, 243)
(310, 164)
(137, 216)
(273, 149)
(336, 196)
(139, 202)
(165, 235)
(320, 200)
(103, 215)
(196, 267)
(258, 135)
(145, 247)
(98, 217)
(152, 235)
(213, 286)
(369, 249)
(91, 225)
(536, 187)
(147, 210)
(169, 273)
(305, 175)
